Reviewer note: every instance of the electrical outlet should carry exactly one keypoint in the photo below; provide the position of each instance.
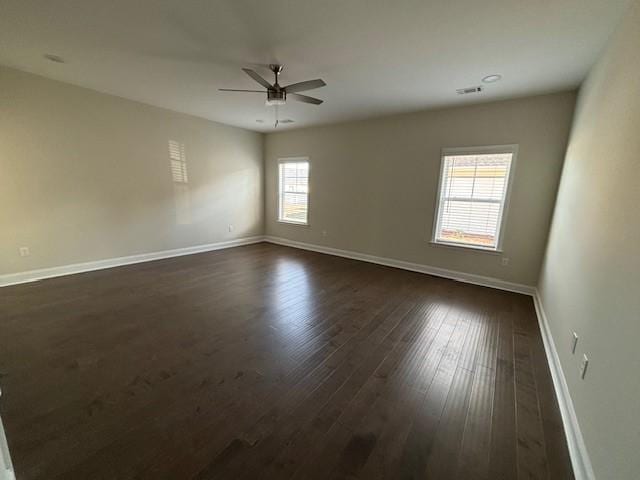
(324, 233)
(230, 227)
(24, 251)
(574, 343)
(505, 261)
(583, 366)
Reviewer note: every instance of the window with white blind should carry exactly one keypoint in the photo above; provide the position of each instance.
(293, 190)
(472, 196)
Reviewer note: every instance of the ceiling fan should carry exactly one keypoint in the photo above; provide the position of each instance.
(276, 94)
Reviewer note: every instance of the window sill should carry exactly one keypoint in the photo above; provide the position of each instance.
(458, 246)
(299, 224)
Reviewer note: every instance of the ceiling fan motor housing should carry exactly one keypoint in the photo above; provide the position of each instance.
(276, 97)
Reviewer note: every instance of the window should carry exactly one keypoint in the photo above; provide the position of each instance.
(473, 193)
(293, 190)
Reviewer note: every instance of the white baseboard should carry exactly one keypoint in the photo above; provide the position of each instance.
(7, 475)
(414, 267)
(40, 274)
(580, 461)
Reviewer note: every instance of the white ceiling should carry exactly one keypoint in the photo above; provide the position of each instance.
(377, 57)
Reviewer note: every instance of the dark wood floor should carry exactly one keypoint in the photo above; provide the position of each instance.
(268, 362)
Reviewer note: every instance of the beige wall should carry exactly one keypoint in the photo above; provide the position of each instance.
(85, 176)
(590, 281)
(373, 183)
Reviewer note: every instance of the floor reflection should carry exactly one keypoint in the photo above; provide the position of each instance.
(292, 302)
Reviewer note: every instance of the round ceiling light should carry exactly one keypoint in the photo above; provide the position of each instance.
(53, 58)
(492, 78)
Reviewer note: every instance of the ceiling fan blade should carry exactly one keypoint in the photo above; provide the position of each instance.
(235, 90)
(302, 86)
(257, 78)
(304, 98)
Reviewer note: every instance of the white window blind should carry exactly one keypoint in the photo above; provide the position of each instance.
(472, 196)
(293, 191)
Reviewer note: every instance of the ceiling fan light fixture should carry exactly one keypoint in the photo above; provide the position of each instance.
(274, 102)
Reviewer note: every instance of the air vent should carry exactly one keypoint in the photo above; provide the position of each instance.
(464, 91)
(286, 120)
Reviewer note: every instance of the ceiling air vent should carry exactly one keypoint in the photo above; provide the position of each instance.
(464, 91)
(286, 120)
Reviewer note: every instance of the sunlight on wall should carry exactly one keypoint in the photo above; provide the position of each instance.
(181, 193)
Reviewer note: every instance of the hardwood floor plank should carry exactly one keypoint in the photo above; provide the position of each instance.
(503, 459)
(531, 449)
(405, 447)
(377, 385)
(442, 461)
(474, 455)
(310, 435)
(395, 407)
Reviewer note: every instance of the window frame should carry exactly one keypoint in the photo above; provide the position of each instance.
(502, 217)
(279, 218)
